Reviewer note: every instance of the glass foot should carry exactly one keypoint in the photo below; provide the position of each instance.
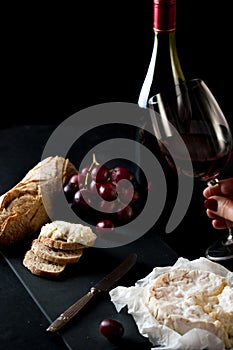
(220, 251)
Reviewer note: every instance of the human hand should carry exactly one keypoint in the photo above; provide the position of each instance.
(219, 203)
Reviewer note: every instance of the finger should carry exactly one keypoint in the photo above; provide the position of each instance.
(212, 215)
(223, 188)
(217, 221)
(224, 223)
(212, 191)
(220, 206)
(220, 224)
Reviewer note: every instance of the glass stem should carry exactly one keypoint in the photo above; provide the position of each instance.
(230, 237)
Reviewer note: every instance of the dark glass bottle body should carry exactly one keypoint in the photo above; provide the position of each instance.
(164, 71)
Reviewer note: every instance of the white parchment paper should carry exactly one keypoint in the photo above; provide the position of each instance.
(148, 326)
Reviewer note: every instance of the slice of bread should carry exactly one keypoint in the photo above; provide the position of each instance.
(58, 256)
(66, 235)
(41, 267)
(60, 244)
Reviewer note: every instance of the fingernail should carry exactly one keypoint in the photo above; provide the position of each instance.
(211, 204)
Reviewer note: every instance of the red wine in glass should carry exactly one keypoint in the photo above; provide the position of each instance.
(190, 111)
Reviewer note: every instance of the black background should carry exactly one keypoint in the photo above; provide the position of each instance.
(61, 57)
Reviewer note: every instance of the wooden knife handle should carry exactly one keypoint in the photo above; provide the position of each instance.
(68, 314)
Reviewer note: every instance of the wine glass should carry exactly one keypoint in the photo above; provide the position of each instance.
(196, 117)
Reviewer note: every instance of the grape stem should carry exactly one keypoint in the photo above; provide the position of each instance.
(94, 162)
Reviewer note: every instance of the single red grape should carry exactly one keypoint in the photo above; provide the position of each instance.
(83, 199)
(94, 186)
(104, 226)
(107, 191)
(100, 173)
(125, 214)
(120, 173)
(77, 181)
(125, 191)
(74, 181)
(111, 329)
(69, 192)
(85, 170)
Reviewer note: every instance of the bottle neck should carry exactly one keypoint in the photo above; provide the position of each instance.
(169, 70)
(164, 16)
(167, 59)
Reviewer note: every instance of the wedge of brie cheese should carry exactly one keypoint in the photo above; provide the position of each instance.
(187, 299)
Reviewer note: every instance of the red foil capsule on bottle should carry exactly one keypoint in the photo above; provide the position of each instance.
(164, 15)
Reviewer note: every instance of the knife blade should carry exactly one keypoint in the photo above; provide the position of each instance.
(103, 285)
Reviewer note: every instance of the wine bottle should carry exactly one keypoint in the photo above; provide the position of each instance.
(164, 70)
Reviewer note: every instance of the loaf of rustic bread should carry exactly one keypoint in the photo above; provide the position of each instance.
(22, 212)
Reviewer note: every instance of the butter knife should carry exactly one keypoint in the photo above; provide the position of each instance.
(103, 285)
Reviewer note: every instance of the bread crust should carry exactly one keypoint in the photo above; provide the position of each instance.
(59, 244)
(22, 211)
(58, 256)
(42, 267)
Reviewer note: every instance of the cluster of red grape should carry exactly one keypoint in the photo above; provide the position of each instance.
(109, 196)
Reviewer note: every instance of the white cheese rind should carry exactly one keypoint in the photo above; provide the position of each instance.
(183, 300)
